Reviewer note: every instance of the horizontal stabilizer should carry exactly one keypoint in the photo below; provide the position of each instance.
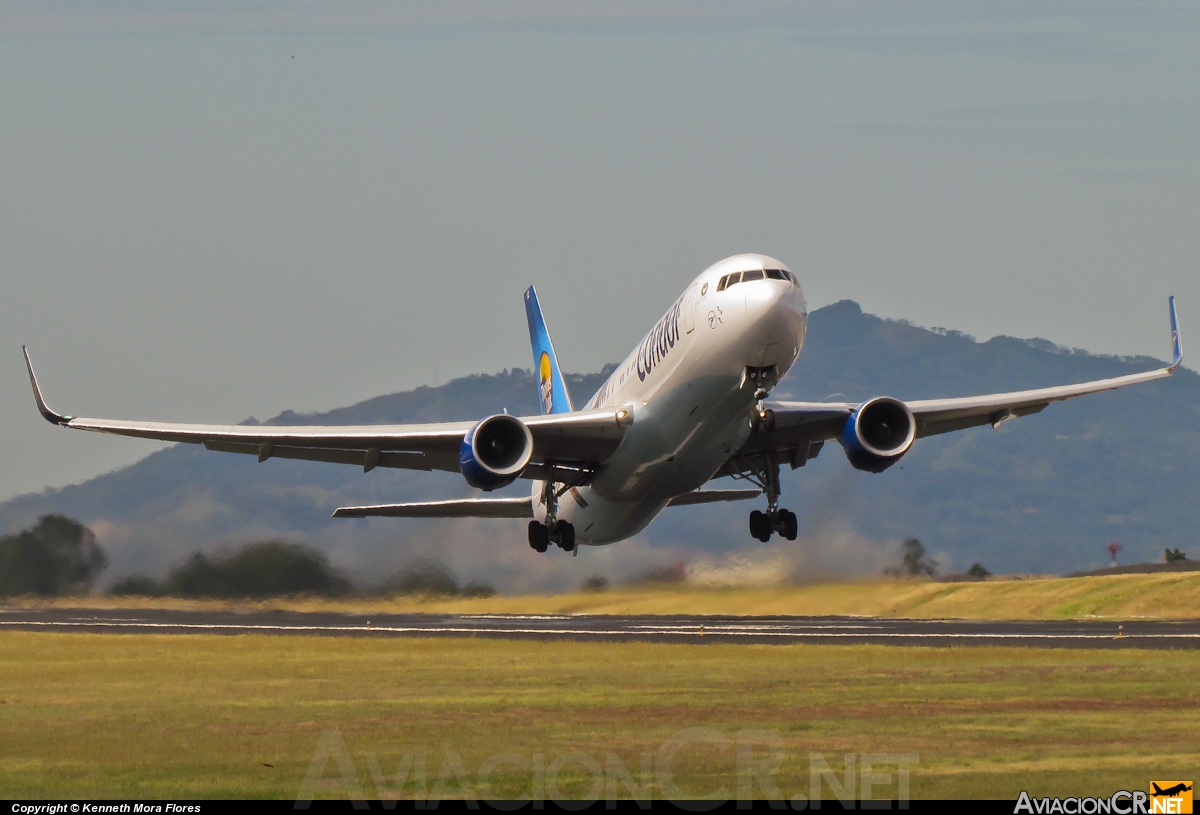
(712, 496)
(463, 508)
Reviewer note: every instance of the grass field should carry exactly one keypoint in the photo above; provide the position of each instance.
(1169, 595)
(100, 715)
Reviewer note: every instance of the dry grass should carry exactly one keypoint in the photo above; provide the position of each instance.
(1172, 595)
(103, 715)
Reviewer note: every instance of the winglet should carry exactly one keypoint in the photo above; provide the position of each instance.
(1176, 340)
(50, 415)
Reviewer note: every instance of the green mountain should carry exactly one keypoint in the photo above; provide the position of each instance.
(1045, 493)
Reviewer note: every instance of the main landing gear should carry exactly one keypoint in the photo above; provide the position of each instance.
(559, 532)
(783, 521)
(775, 519)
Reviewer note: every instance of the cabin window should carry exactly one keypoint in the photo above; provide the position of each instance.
(775, 274)
(724, 281)
(755, 274)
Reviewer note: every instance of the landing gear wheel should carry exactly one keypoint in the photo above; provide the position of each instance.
(566, 536)
(760, 525)
(764, 421)
(788, 524)
(539, 537)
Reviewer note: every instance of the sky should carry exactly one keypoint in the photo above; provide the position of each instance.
(217, 210)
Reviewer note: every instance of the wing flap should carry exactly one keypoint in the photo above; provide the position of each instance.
(365, 458)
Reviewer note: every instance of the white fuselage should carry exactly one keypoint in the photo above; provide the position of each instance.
(691, 402)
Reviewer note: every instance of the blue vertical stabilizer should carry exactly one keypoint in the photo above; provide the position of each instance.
(552, 390)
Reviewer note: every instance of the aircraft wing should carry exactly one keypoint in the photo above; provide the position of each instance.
(712, 497)
(465, 508)
(568, 440)
(801, 428)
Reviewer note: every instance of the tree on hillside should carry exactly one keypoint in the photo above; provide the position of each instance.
(264, 569)
(1174, 555)
(914, 562)
(429, 577)
(57, 555)
(978, 570)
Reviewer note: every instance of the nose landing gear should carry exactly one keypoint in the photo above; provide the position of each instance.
(763, 379)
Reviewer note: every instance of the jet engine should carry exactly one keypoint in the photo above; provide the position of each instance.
(878, 434)
(495, 451)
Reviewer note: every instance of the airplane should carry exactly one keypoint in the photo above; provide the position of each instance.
(1170, 792)
(688, 405)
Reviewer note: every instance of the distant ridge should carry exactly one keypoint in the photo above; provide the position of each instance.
(1144, 568)
(1042, 494)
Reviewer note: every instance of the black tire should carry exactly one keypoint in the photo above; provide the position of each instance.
(767, 422)
(539, 537)
(566, 536)
(760, 526)
(790, 524)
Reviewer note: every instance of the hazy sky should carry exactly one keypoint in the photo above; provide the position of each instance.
(231, 209)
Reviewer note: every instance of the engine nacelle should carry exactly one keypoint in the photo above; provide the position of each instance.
(495, 451)
(878, 434)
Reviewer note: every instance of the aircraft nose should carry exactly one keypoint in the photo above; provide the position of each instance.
(778, 309)
(772, 295)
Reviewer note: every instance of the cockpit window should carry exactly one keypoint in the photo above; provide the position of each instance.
(755, 274)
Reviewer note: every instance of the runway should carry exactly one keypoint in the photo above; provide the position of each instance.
(699, 630)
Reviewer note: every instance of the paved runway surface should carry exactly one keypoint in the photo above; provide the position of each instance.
(635, 628)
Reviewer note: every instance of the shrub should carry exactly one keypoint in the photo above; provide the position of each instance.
(265, 569)
(977, 570)
(136, 585)
(915, 561)
(674, 573)
(478, 588)
(422, 577)
(595, 583)
(57, 555)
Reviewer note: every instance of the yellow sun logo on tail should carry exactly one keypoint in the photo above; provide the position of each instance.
(546, 383)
